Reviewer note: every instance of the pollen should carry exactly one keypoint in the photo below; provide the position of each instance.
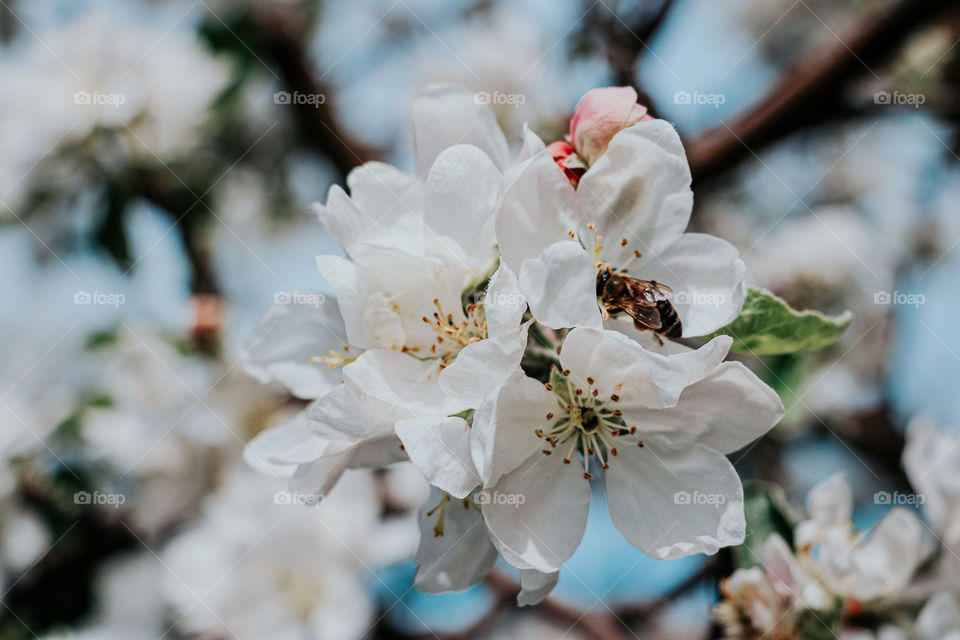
(623, 242)
(587, 428)
(334, 358)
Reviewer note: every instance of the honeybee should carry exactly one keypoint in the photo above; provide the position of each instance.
(643, 300)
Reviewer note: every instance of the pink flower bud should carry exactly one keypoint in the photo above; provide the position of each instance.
(599, 115)
(568, 160)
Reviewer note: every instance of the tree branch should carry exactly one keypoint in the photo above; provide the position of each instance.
(811, 90)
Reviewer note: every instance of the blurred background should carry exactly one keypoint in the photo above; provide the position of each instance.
(158, 159)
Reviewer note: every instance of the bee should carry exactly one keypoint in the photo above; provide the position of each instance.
(643, 300)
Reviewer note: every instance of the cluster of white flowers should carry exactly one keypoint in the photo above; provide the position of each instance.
(861, 585)
(148, 81)
(479, 328)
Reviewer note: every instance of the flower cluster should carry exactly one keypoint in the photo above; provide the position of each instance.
(512, 327)
(890, 583)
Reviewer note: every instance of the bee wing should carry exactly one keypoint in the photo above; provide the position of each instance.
(645, 315)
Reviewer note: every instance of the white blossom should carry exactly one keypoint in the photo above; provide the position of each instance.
(628, 215)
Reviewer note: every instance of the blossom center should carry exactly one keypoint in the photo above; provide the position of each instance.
(588, 423)
(452, 337)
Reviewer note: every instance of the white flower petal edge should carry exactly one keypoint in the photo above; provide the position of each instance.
(885, 563)
(440, 449)
(278, 450)
(370, 320)
(539, 208)
(400, 380)
(642, 378)
(338, 431)
(482, 366)
(458, 558)
(503, 304)
(560, 286)
(542, 530)
(535, 586)
(670, 502)
(300, 325)
(726, 410)
(708, 279)
(445, 115)
(463, 193)
(639, 190)
(502, 436)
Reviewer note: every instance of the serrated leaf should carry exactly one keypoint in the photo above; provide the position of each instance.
(768, 326)
(767, 512)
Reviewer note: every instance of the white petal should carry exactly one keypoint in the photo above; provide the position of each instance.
(343, 418)
(639, 190)
(537, 513)
(939, 617)
(392, 198)
(277, 451)
(830, 502)
(640, 377)
(503, 426)
(539, 208)
(560, 285)
(535, 586)
(673, 502)
(302, 324)
(463, 191)
(707, 277)
(727, 410)
(532, 144)
(503, 303)
(400, 380)
(458, 558)
(886, 562)
(344, 219)
(439, 447)
(369, 319)
(445, 115)
(930, 459)
(482, 366)
(319, 477)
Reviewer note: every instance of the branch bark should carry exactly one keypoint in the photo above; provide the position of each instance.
(812, 89)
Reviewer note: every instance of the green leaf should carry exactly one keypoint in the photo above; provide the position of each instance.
(768, 326)
(559, 383)
(767, 512)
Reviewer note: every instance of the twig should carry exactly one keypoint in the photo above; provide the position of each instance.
(812, 89)
(315, 120)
